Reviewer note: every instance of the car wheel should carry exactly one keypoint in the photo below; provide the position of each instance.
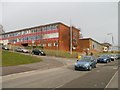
(75, 68)
(90, 68)
(107, 61)
(95, 66)
(112, 59)
(40, 54)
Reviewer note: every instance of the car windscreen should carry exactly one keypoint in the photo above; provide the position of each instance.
(104, 56)
(113, 55)
(86, 58)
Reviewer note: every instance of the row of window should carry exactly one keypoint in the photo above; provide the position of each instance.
(33, 30)
(95, 46)
(38, 37)
(49, 44)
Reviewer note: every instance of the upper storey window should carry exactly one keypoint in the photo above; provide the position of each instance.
(50, 27)
(5, 36)
(34, 30)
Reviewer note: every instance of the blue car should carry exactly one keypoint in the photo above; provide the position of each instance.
(104, 59)
(86, 63)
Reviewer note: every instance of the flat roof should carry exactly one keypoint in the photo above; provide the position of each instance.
(92, 40)
(32, 27)
(37, 27)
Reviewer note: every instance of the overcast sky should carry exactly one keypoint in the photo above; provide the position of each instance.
(94, 19)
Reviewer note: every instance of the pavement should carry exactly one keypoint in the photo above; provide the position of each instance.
(63, 77)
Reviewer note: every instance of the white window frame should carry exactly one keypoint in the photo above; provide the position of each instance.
(49, 44)
(44, 45)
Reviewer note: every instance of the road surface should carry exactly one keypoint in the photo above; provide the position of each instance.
(47, 63)
(65, 77)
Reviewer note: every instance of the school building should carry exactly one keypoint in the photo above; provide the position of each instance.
(54, 36)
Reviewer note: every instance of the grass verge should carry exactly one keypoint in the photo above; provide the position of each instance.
(12, 59)
(63, 54)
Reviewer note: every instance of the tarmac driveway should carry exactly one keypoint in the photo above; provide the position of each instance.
(47, 63)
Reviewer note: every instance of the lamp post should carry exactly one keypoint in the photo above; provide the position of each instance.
(70, 37)
(112, 38)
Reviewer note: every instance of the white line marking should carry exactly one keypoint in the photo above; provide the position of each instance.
(115, 68)
(111, 79)
(60, 86)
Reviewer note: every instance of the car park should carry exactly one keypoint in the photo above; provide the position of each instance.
(86, 63)
(38, 52)
(104, 59)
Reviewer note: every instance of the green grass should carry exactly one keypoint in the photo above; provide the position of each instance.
(12, 59)
(64, 54)
(100, 53)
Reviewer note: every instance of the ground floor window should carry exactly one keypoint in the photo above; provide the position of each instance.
(49, 44)
(56, 44)
(44, 45)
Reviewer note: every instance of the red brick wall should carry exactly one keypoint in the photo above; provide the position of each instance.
(64, 38)
(83, 44)
(75, 44)
(50, 47)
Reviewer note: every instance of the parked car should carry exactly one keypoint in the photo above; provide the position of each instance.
(104, 59)
(38, 52)
(113, 57)
(118, 56)
(5, 48)
(18, 49)
(86, 63)
(25, 50)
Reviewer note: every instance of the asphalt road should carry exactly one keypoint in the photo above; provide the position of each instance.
(64, 77)
(98, 78)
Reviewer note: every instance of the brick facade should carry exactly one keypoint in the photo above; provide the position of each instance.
(89, 44)
(53, 39)
(55, 36)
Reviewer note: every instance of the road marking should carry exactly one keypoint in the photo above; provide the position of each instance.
(98, 70)
(100, 64)
(58, 86)
(111, 79)
(115, 68)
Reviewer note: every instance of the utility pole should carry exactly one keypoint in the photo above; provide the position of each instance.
(70, 37)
